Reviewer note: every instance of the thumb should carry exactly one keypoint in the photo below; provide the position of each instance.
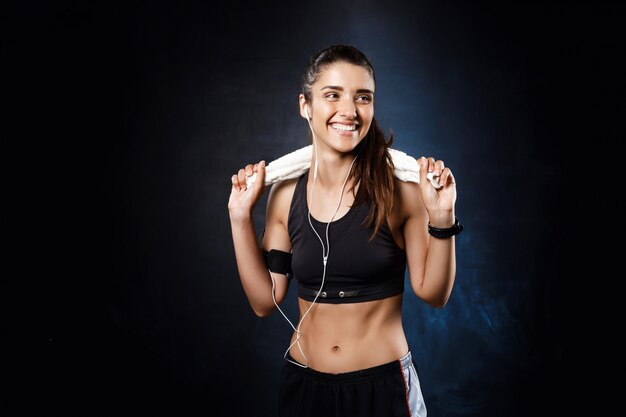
(260, 175)
(423, 170)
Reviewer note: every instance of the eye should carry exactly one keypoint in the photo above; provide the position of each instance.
(332, 95)
(365, 99)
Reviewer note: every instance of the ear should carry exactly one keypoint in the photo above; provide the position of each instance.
(304, 106)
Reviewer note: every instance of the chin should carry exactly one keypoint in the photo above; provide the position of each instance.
(345, 147)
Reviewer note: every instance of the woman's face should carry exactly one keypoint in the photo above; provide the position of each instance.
(342, 108)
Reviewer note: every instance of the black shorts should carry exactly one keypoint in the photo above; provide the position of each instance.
(387, 390)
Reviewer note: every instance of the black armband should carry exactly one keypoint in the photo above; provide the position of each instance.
(278, 261)
(443, 233)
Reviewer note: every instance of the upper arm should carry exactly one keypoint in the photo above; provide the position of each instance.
(276, 235)
(415, 232)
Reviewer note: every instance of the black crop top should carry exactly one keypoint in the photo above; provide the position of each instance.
(357, 270)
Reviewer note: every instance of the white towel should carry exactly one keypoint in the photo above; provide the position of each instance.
(295, 163)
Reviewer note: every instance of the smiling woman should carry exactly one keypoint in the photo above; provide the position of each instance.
(343, 104)
(348, 354)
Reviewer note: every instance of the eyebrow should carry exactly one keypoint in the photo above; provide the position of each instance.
(337, 87)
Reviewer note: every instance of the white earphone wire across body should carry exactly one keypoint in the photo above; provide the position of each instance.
(325, 252)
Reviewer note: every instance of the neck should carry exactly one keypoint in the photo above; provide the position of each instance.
(332, 169)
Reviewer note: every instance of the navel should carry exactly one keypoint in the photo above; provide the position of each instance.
(335, 348)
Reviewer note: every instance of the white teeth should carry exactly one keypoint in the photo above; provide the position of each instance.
(339, 126)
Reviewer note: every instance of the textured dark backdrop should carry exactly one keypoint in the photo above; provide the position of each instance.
(138, 114)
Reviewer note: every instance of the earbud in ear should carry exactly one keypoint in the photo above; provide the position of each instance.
(306, 110)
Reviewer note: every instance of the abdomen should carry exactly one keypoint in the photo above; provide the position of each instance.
(351, 336)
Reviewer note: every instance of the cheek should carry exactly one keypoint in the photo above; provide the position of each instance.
(368, 125)
(367, 115)
(369, 128)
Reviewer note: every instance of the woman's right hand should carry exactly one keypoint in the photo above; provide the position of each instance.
(242, 198)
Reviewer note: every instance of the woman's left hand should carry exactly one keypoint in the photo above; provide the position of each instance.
(438, 202)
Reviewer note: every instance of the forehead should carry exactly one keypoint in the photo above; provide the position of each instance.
(348, 76)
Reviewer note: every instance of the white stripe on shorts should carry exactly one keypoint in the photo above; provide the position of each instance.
(415, 399)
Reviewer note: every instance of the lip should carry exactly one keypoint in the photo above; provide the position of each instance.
(347, 133)
(345, 123)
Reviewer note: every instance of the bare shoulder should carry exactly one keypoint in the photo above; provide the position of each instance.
(276, 234)
(279, 200)
(409, 198)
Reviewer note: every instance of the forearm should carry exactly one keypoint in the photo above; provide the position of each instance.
(439, 272)
(440, 268)
(254, 276)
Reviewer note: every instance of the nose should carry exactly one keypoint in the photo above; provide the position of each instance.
(348, 109)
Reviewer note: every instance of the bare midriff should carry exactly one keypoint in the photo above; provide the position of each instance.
(347, 337)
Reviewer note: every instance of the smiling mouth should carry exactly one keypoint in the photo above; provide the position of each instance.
(343, 128)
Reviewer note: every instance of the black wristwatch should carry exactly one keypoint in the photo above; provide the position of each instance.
(440, 233)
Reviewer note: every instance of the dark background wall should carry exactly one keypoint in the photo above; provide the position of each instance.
(134, 116)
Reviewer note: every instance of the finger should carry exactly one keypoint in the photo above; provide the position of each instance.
(439, 166)
(431, 164)
(260, 173)
(447, 177)
(255, 175)
(242, 178)
(443, 178)
(254, 178)
(423, 165)
(451, 178)
(249, 168)
(235, 180)
(429, 173)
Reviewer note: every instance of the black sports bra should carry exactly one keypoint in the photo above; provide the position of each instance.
(357, 270)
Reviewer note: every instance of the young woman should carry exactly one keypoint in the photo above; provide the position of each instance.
(345, 230)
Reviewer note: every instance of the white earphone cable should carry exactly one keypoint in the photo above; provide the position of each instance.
(325, 253)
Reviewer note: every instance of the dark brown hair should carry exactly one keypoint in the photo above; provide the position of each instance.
(374, 166)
